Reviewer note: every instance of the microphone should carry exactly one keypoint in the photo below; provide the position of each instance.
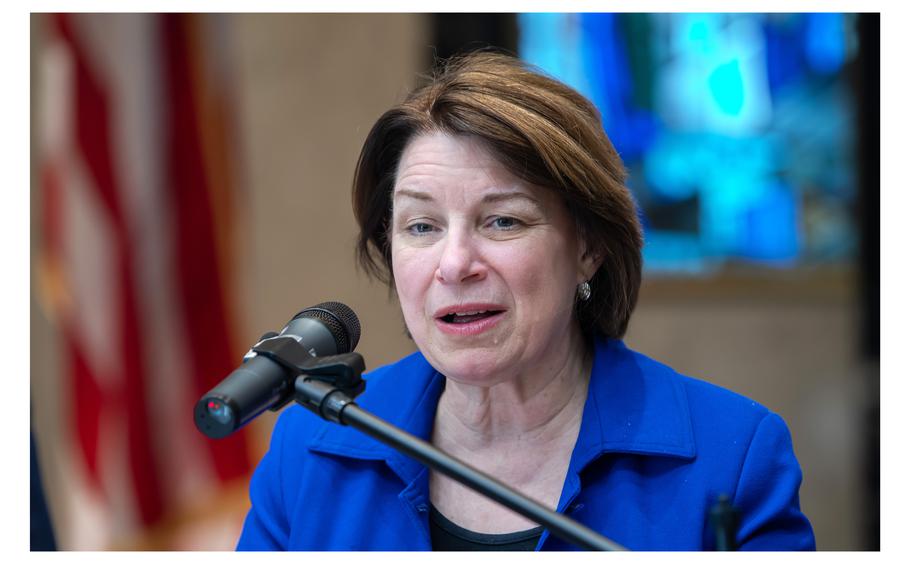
(260, 384)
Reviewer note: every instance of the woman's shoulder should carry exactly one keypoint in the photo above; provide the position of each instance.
(668, 404)
(700, 394)
(650, 407)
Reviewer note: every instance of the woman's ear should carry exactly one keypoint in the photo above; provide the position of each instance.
(588, 263)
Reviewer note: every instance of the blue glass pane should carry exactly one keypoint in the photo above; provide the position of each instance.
(737, 129)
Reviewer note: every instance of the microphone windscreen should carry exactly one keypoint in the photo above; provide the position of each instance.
(341, 321)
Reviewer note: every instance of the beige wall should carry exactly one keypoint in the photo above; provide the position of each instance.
(310, 87)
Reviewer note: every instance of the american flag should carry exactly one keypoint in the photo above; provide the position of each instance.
(138, 194)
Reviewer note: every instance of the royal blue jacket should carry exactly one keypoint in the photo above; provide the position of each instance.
(654, 452)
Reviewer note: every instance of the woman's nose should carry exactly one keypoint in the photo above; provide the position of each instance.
(459, 261)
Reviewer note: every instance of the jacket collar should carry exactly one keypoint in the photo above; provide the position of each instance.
(634, 406)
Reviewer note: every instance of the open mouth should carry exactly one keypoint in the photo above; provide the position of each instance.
(468, 317)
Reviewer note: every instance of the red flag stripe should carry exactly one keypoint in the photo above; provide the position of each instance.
(93, 133)
(87, 397)
(136, 212)
(199, 274)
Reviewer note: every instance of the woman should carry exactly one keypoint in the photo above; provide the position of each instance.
(493, 202)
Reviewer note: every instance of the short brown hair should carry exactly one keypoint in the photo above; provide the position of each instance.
(546, 134)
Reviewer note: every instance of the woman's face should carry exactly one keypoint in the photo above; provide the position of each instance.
(485, 265)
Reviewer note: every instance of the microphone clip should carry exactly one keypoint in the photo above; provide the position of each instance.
(343, 371)
(339, 373)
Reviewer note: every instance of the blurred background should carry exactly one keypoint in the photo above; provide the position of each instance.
(191, 189)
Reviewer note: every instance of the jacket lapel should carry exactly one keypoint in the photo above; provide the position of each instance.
(633, 406)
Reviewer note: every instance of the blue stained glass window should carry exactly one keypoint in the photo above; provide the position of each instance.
(737, 129)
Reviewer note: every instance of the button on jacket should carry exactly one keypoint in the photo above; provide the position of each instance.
(654, 452)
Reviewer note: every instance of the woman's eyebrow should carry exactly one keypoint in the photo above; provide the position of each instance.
(496, 197)
(419, 195)
(509, 195)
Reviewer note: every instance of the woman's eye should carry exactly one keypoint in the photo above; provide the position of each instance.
(505, 223)
(420, 228)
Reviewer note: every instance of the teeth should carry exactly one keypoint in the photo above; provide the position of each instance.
(469, 313)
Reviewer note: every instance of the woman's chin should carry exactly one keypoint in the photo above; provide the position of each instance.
(482, 365)
(473, 371)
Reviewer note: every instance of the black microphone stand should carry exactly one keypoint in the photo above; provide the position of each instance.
(328, 385)
(725, 519)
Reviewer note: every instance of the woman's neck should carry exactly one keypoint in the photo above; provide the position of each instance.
(537, 408)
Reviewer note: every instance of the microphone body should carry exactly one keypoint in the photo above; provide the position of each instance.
(261, 383)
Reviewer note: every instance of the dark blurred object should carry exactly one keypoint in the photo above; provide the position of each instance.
(867, 78)
(461, 33)
(725, 520)
(869, 145)
(42, 530)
